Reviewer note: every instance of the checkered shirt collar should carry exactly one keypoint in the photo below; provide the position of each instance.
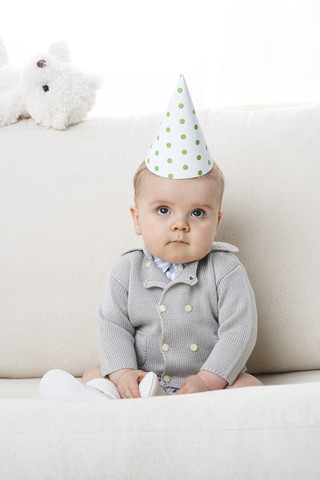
(171, 270)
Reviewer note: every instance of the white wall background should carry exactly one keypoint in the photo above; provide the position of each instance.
(232, 52)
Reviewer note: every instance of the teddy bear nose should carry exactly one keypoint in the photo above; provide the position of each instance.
(41, 63)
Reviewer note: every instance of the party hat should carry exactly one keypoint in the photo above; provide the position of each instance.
(179, 148)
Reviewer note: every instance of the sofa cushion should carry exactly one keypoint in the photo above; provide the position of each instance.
(64, 220)
(245, 433)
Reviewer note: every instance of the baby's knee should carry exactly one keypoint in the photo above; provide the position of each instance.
(91, 373)
(245, 380)
(251, 381)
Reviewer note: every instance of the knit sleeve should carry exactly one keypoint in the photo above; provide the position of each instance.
(237, 333)
(116, 333)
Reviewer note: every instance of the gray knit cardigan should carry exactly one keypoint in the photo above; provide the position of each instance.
(205, 319)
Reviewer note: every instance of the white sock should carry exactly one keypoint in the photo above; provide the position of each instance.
(150, 386)
(105, 386)
(60, 385)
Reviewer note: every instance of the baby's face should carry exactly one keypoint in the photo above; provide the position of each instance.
(178, 219)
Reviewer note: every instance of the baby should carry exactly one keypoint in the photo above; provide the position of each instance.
(178, 315)
(195, 331)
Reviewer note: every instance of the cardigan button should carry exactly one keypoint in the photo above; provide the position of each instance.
(162, 308)
(188, 308)
(194, 347)
(166, 378)
(165, 347)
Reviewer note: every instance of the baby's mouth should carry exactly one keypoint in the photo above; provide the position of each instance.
(178, 241)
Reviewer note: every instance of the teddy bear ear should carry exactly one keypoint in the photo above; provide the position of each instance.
(3, 53)
(61, 51)
(95, 81)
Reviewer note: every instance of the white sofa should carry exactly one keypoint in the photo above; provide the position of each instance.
(64, 220)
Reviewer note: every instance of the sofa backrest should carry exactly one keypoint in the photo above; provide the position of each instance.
(64, 220)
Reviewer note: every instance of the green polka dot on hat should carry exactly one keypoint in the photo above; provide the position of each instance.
(180, 134)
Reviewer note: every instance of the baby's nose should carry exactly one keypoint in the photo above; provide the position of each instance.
(180, 224)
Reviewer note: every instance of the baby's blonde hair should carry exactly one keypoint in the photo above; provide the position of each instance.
(216, 175)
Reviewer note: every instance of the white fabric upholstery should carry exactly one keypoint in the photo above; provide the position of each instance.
(64, 220)
(259, 432)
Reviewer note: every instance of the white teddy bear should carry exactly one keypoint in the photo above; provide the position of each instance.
(49, 89)
(11, 91)
(57, 94)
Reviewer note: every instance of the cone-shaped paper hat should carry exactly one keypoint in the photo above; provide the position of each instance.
(179, 149)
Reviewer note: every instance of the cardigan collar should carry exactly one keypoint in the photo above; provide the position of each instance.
(156, 278)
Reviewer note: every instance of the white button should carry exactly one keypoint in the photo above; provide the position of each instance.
(166, 378)
(165, 347)
(178, 268)
(194, 347)
(148, 264)
(162, 308)
(188, 308)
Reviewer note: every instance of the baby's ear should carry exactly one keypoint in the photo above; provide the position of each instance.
(218, 222)
(135, 218)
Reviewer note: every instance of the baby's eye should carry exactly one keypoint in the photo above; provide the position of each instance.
(163, 211)
(197, 213)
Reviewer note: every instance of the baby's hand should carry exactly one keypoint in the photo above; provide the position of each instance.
(192, 384)
(127, 382)
(204, 381)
